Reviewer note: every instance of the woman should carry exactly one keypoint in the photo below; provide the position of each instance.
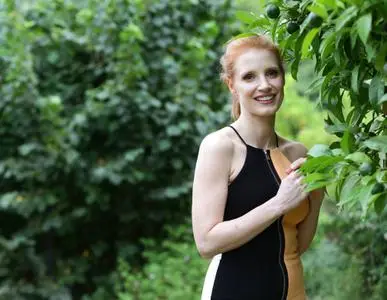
(250, 211)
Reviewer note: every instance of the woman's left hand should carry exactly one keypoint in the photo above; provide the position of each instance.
(295, 165)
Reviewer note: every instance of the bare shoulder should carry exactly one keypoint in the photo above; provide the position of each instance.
(293, 150)
(217, 143)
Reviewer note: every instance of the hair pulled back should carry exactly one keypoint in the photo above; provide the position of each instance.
(233, 49)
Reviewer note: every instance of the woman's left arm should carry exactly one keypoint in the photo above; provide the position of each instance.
(307, 228)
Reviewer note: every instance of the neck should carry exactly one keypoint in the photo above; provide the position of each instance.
(257, 131)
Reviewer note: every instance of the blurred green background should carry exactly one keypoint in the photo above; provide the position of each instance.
(102, 107)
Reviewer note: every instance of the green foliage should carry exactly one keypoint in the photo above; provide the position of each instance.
(103, 104)
(173, 270)
(356, 252)
(299, 119)
(347, 42)
(331, 274)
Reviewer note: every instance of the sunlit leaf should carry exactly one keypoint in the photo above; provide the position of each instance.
(346, 17)
(364, 26)
(308, 41)
(319, 150)
(378, 143)
(245, 16)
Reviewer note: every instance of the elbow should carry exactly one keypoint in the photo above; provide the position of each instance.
(205, 251)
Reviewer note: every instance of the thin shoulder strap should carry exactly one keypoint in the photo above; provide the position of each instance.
(238, 134)
(276, 139)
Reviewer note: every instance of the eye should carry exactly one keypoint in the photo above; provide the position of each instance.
(248, 76)
(272, 73)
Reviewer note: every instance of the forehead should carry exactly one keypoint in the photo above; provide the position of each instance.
(255, 59)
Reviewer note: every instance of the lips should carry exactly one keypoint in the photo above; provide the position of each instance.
(265, 99)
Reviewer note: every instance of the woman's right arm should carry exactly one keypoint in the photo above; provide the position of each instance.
(212, 234)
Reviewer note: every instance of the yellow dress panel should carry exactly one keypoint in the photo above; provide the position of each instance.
(296, 290)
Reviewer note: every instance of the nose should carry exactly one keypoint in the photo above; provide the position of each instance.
(264, 85)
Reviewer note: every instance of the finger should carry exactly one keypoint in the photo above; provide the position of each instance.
(296, 164)
(300, 179)
(294, 174)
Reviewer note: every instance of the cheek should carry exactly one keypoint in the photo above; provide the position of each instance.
(278, 83)
(247, 87)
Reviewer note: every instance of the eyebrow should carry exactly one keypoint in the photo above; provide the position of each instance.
(265, 69)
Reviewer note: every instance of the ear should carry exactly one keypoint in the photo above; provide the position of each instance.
(230, 85)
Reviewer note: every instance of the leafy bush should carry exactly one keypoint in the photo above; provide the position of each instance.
(174, 269)
(347, 43)
(366, 243)
(330, 272)
(103, 104)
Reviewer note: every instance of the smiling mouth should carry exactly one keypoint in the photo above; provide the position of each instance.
(265, 99)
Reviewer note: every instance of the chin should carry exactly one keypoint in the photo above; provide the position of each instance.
(266, 111)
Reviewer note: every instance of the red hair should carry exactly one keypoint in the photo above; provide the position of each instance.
(233, 49)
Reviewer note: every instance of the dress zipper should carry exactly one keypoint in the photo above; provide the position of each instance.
(279, 221)
(268, 159)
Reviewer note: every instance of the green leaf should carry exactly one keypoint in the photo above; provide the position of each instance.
(383, 99)
(318, 10)
(381, 58)
(320, 163)
(132, 155)
(245, 16)
(371, 52)
(26, 149)
(274, 29)
(378, 143)
(347, 193)
(329, 4)
(358, 157)
(174, 130)
(363, 195)
(317, 185)
(297, 52)
(376, 90)
(259, 22)
(336, 128)
(355, 79)
(345, 17)
(380, 203)
(353, 36)
(364, 26)
(327, 46)
(314, 177)
(308, 41)
(319, 150)
(347, 142)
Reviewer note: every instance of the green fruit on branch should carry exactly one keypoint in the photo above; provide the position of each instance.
(272, 11)
(314, 20)
(377, 188)
(292, 27)
(366, 169)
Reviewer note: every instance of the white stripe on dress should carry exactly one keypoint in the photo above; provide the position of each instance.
(210, 277)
